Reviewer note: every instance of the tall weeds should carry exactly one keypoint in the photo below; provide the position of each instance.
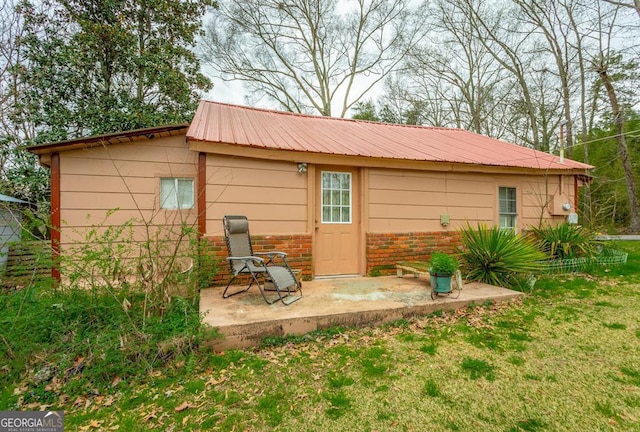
(128, 302)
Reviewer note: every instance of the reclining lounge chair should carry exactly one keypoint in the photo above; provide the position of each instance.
(261, 267)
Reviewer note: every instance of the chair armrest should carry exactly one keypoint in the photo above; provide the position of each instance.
(246, 259)
(271, 253)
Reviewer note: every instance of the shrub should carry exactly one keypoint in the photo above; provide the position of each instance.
(496, 256)
(565, 241)
(126, 305)
(441, 263)
(159, 260)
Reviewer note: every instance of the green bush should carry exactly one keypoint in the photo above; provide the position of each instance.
(565, 241)
(496, 256)
(443, 264)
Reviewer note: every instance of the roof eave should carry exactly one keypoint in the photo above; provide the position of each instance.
(368, 161)
(116, 137)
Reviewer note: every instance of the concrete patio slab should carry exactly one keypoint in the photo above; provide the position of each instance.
(244, 320)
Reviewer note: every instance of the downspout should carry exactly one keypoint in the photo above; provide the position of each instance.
(55, 216)
(202, 198)
(575, 193)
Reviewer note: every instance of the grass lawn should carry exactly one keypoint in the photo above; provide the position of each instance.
(567, 357)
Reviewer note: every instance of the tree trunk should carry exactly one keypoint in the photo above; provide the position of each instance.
(623, 151)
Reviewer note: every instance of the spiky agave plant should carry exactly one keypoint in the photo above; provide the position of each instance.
(497, 256)
(565, 241)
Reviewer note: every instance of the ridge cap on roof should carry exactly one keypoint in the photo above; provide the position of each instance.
(313, 116)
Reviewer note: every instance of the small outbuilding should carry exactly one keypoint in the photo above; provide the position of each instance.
(342, 197)
(10, 225)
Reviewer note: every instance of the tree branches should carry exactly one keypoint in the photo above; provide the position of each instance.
(310, 55)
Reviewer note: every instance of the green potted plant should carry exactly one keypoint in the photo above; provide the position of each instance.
(442, 268)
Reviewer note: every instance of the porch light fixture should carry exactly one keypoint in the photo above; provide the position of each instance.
(302, 167)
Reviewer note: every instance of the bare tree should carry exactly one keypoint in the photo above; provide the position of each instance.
(623, 150)
(604, 62)
(420, 96)
(509, 43)
(633, 4)
(459, 70)
(548, 20)
(307, 55)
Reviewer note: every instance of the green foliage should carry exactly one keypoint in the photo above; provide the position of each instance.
(496, 256)
(324, 378)
(430, 348)
(275, 341)
(565, 241)
(337, 380)
(443, 264)
(365, 111)
(615, 326)
(339, 404)
(604, 200)
(160, 261)
(97, 67)
(411, 112)
(22, 176)
(478, 369)
(381, 270)
(207, 264)
(88, 338)
(127, 304)
(431, 388)
(36, 222)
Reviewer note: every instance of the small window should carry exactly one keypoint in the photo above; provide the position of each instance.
(336, 197)
(508, 206)
(176, 193)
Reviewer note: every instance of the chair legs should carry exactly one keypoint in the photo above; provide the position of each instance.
(225, 295)
(289, 297)
(285, 296)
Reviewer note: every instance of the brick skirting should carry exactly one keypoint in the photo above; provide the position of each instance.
(384, 250)
(297, 247)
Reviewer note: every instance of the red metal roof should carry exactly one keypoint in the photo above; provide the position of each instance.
(253, 127)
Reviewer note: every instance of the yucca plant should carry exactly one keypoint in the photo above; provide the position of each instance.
(497, 256)
(565, 241)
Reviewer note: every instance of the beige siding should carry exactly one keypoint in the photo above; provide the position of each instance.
(272, 194)
(126, 177)
(412, 201)
(538, 199)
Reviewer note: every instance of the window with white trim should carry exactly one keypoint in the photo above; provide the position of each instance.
(508, 207)
(176, 193)
(336, 197)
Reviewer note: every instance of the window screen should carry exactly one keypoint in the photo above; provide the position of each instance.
(176, 193)
(508, 206)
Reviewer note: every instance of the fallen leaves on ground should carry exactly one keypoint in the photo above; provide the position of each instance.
(183, 406)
